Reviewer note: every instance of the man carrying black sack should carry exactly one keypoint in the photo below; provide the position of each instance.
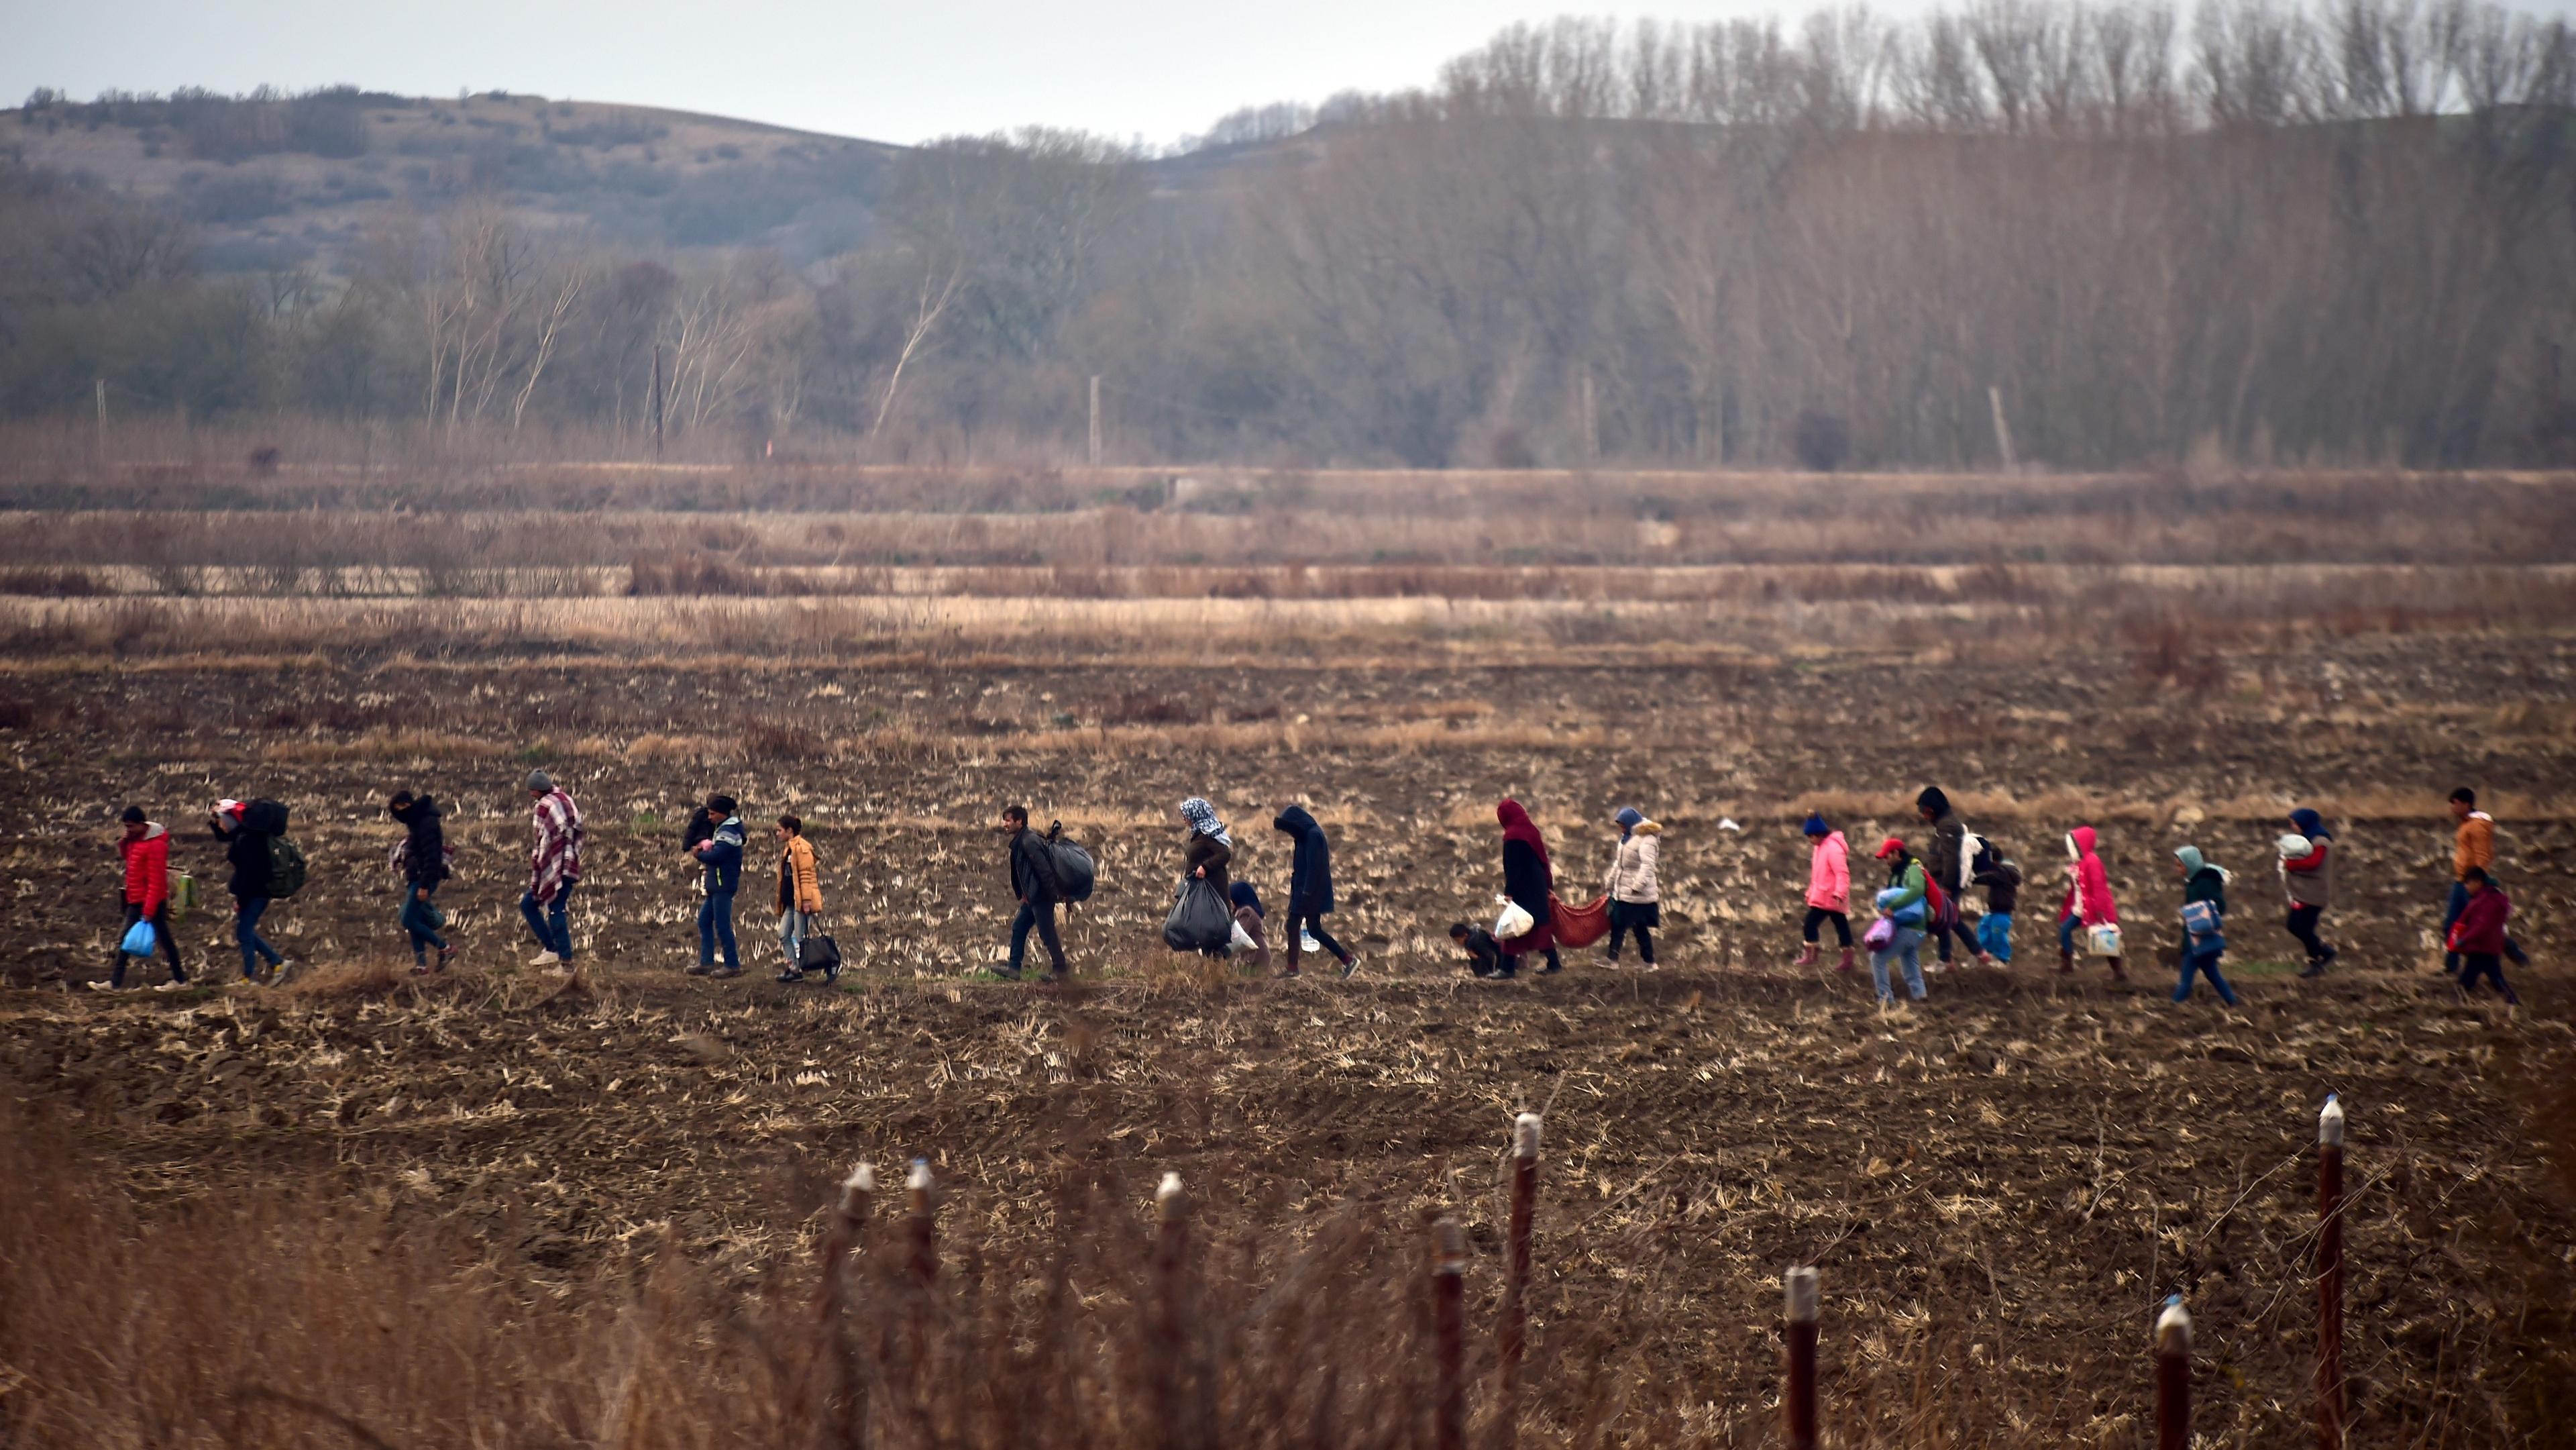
(1033, 882)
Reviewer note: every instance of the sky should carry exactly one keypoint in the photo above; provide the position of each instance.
(1149, 70)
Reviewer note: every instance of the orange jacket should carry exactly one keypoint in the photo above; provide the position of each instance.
(2475, 845)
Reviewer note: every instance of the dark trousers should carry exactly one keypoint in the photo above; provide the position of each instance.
(2303, 926)
(1645, 939)
(160, 929)
(1040, 915)
(1512, 961)
(2487, 965)
(1817, 916)
(1948, 925)
(715, 927)
(551, 920)
(246, 914)
(416, 920)
(2451, 910)
(1311, 923)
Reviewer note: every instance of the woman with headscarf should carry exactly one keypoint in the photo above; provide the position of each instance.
(2203, 886)
(2308, 875)
(1905, 902)
(1209, 851)
(1528, 879)
(1632, 890)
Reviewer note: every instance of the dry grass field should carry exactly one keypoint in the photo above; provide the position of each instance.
(494, 1208)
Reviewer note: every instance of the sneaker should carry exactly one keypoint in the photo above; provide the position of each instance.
(2315, 968)
(1054, 978)
(1551, 969)
(544, 959)
(1290, 974)
(1349, 967)
(1007, 974)
(445, 955)
(420, 969)
(724, 972)
(791, 975)
(175, 984)
(279, 971)
(702, 969)
(105, 987)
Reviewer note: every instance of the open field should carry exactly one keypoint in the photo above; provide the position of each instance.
(602, 1202)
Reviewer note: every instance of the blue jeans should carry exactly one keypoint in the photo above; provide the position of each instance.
(715, 924)
(1908, 944)
(415, 919)
(554, 932)
(2204, 960)
(1041, 917)
(246, 931)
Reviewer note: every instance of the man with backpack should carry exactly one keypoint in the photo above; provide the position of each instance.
(145, 850)
(265, 867)
(554, 869)
(1034, 882)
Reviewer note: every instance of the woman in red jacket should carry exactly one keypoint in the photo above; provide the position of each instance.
(146, 849)
(2088, 900)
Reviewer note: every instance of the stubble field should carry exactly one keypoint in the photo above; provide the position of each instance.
(599, 1201)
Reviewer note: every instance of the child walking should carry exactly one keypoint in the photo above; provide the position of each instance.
(2478, 936)
(1828, 890)
(2204, 913)
(2002, 880)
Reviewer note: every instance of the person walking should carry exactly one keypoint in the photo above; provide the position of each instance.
(2204, 937)
(554, 869)
(2002, 880)
(1948, 854)
(1248, 921)
(1033, 881)
(721, 853)
(1905, 902)
(1310, 889)
(1632, 888)
(2308, 877)
(1208, 851)
(2472, 849)
(421, 862)
(144, 848)
(245, 827)
(2088, 902)
(2479, 935)
(800, 895)
(1529, 879)
(1828, 890)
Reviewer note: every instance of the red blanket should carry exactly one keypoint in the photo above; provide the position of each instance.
(1574, 926)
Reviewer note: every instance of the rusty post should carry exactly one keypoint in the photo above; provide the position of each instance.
(2330, 1384)
(1448, 1335)
(2173, 1376)
(924, 1223)
(1168, 1337)
(1804, 1304)
(1513, 1337)
(845, 1393)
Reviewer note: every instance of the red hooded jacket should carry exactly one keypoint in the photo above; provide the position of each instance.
(2092, 884)
(147, 869)
(2480, 929)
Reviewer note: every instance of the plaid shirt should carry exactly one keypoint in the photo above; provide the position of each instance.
(557, 858)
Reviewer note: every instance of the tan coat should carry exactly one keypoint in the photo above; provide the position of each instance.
(1632, 870)
(799, 887)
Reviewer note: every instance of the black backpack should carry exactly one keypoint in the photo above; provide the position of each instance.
(285, 858)
(1074, 869)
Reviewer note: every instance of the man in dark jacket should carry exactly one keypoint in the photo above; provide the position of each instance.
(244, 827)
(1033, 882)
(423, 864)
(1310, 888)
(721, 852)
(1946, 858)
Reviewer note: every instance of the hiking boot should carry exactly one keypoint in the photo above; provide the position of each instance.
(2118, 973)
(2066, 964)
(445, 955)
(1349, 967)
(2316, 966)
(1807, 956)
(725, 972)
(1053, 979)
(702, 969)
(1845, 964)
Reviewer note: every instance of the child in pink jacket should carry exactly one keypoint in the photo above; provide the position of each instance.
(2088, 900)
(1828, 889)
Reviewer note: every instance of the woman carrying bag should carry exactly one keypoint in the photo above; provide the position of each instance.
(1632, 887)
(1528, 880)
(1202, 917)
(800, 898)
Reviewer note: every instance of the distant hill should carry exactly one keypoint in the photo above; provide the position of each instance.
(273, 182)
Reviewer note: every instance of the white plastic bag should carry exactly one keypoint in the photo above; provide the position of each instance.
(1515, 920)
(1243, 941)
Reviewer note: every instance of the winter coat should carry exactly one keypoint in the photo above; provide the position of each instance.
(2088, 895)
(555, 860)
(1632, 867)
(1829, 873)
(1526, 880)
(424, 852)
(723, 856)
(2206, 884)
(2474, 845)
(800, 887)
(1310, 870)
(2002, 881)
(1945, 856)
(2480, 930)
(147, 868)
(1905, 896)
(1484, 954)
(1033, 868)
(247, 852)
(1206, 850)
(2310, 878)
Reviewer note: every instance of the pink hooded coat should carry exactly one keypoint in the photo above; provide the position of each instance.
(2092, 884)
(1829, 873)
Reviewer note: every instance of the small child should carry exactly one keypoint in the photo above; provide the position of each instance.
(2002, 881)
(2204, 885)
(1484, 954)
(2478, 936)
(1247, 919)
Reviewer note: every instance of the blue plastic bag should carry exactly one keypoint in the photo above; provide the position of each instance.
(1994, 935)
(140, 940)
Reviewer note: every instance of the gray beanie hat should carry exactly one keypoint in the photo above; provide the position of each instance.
(539, 780)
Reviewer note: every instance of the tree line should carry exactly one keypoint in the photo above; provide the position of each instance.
(2089, 234)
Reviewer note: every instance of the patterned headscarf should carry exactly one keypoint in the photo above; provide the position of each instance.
(1202, 819)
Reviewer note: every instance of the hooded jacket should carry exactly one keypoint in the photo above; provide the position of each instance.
(1945, 855)
(424, 856)
(1632, 866)
(1310, 868)
(1528, 878)
(246, 851)
(147, 868)
(2480, 930)
(2474, 845)
(723, 856)
(1905, 899)
(2310, 878)
(1829, 872)
(800, 887)
(2088, 896)
(2202, 881)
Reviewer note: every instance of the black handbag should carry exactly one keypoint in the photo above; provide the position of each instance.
(819, 953)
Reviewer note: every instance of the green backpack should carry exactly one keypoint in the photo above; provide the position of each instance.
(285, 868)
